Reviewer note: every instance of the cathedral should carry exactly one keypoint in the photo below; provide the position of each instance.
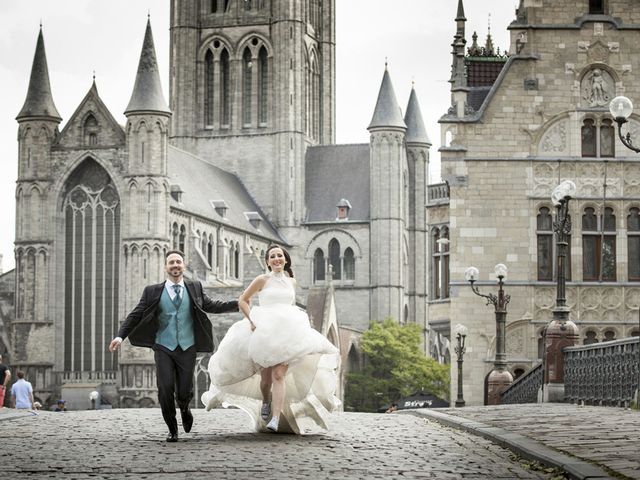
(240, 157)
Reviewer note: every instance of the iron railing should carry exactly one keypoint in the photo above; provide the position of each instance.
(525, 388)
(602, 373)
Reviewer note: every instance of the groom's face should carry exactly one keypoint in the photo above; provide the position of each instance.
(174, 266)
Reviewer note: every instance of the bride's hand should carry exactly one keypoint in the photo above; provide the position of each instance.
(252, 325)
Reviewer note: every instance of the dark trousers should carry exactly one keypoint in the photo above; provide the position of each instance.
(174, 378)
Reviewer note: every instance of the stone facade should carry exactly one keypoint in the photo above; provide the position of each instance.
(502, 161)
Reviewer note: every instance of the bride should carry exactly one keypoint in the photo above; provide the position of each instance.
(273, 364)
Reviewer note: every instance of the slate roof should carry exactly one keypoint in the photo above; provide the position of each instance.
(387, 112)
(335, 172)
(416, 132)
(39, 101)
(201, 183)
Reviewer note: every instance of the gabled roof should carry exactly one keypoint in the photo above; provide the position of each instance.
(333, 173)
(387, 112)
(39, 101)
(202, 183)
(91, 103)
(147, 93)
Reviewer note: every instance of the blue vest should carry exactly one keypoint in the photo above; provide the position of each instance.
(175, 325)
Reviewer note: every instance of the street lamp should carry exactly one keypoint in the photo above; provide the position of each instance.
(562, 228)
(460, 331)
(499, 378)
(621, 109)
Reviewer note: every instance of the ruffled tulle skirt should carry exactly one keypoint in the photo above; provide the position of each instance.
(282, 335)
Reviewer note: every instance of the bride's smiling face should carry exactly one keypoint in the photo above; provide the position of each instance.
(276, 260)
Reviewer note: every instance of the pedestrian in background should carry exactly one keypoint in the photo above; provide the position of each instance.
(22, 393)
(5, 376)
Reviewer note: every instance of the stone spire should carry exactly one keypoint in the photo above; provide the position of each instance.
(416, 133)
(387, 112)
(147, 93)
(39, 101)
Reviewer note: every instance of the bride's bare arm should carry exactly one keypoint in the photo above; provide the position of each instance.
(244, 302)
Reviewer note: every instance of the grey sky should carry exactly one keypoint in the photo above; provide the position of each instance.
(86, 35)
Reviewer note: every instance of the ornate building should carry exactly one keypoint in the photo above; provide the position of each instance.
(242, 157)
(518, 126)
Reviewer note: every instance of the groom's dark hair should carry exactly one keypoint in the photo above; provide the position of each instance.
(171, 252)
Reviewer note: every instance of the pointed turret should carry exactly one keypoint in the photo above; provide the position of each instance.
(39, 101)
(147, 93)
(387, 112)
(416, 132)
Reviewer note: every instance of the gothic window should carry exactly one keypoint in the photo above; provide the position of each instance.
(214, 6)
(590, 338)
(315, 98)
(90, 129)
(92, 241)
(598, 140)
(334, 258)
(182, 237)
(210, 248)
(263, 86)
(208, 88)
(349, 264)
(596, 7)
(545, 245)
(236, 261)
(225, 113)
(440, 263)
(226, 5)
(598, 246)
(609, 335)
(174, 236)
(633, 244)
(318, 266)
(246, 87)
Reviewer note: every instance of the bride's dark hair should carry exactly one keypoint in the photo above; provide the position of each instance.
(287, 257)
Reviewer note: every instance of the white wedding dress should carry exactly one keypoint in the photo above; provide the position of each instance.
(283, 334)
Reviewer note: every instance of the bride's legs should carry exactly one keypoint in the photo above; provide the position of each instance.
(277, 390)
(265, 384)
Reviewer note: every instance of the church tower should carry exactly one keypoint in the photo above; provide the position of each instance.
(38, 122)
(252, 85)
(389, 177)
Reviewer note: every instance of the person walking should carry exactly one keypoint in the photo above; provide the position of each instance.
(171, 319)
(22, 393)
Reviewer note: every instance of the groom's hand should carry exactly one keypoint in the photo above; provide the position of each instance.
(115, 343)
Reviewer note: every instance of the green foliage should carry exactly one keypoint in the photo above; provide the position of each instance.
(394, 367)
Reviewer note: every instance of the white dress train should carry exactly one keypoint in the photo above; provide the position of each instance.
(283, 334)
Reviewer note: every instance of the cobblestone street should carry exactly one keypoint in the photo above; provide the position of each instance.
(130, 443)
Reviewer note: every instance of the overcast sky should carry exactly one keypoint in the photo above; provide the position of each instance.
(83, 36)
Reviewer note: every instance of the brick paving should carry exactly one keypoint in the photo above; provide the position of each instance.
(129, 443)
(605, 436)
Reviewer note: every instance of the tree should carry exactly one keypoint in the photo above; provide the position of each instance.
(394, 367)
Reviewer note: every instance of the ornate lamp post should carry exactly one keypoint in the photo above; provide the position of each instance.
(561, 332)
(460, 332)
(499, 378)
(621, 109)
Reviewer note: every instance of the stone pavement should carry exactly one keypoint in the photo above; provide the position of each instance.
(129, 443)
(585, 441)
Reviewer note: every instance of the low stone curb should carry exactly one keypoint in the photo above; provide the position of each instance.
(523, 446)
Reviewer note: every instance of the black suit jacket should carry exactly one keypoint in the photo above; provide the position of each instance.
(141, 325)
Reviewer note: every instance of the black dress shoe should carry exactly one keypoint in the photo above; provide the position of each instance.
(172, 437)
(187, 419)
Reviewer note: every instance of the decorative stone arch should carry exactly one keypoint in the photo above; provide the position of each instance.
(321, 240)
(209, 44)
(554, 137)
(597, 85)
(247, 41)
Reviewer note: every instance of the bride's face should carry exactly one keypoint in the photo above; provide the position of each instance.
(276, 260)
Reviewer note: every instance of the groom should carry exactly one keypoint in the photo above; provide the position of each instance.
(170, 318)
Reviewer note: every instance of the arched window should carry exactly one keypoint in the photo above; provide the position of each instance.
(349, 264)
(598, 140)
(90, 129)
(609, 335)
(247, 65)
(181, 238)
(545, 244)
(210, 251)
(236, 261)
(518, 372)
(598, 246)
(633, 244)
(225, 112)
(318, 266)
(334, 258)
(263, 86)
(435, 264)
(541, 344)
(174, 236)
(208, 88)
(590, 338)
(214, 6)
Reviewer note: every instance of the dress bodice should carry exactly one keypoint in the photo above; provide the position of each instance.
(277, 290)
